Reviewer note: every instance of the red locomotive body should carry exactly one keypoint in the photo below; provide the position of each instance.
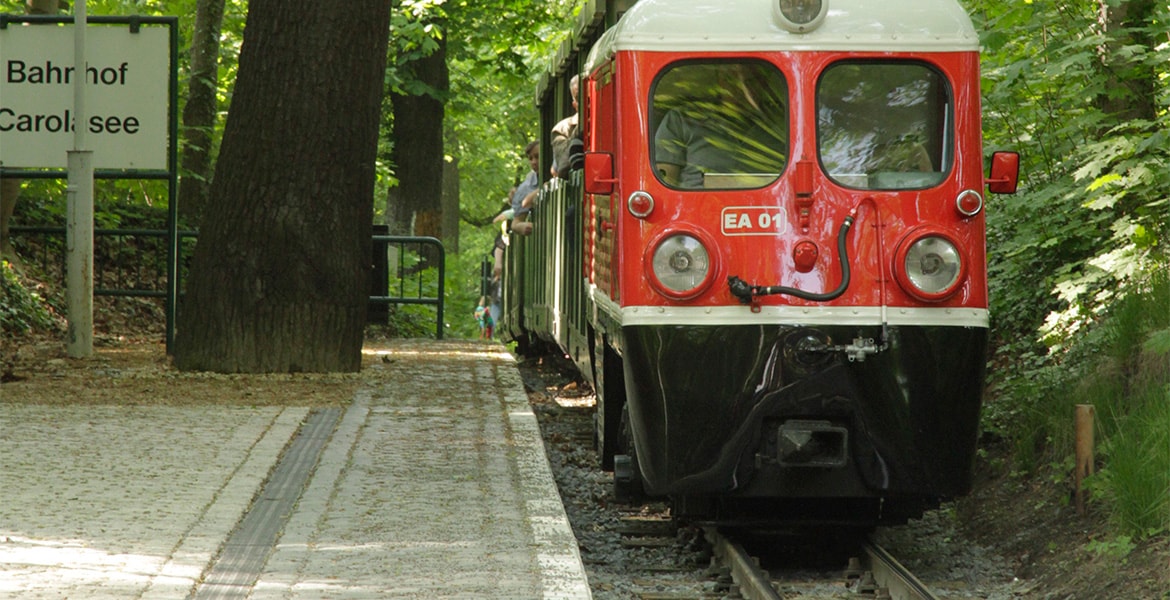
(772, 266)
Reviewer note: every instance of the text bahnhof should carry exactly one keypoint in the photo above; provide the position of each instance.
(18, 72)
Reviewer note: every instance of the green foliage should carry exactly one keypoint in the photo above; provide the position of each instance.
(464, 284)
(1121, 366)
(496, 52)
(1136, 481)
(412, 320)
(1027, 412)
(1089, 212)
(21, 310)
(118, 203)
(1118, 548)
(1159, 342)
(1077, 317)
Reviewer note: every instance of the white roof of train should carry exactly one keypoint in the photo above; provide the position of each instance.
(753, 25)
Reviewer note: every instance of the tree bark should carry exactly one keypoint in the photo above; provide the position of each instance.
(280, 276)
(450, 198)
(1131, 90)
(9, 192)
(415, 206)
(200, 110)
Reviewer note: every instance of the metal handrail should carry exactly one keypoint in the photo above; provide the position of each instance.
(403, 271)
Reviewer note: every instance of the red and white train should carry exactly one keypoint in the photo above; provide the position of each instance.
(772, 265)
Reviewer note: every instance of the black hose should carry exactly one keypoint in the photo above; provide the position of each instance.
(746, 291)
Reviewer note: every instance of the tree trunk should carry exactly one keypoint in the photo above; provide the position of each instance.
(415, 206)
(9, 192)
(450, 198)
(280, 276)
(200, 110)
(1131, 90)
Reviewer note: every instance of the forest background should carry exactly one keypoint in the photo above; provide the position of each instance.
(1079, 261)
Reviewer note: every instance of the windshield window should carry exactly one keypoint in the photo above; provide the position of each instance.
(884, 126)
(719, 125)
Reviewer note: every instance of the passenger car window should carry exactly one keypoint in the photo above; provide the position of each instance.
(719, 125)
(884, 126)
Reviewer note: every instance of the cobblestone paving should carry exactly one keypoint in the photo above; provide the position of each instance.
(125, 501)
(435, 498)
(433, 485)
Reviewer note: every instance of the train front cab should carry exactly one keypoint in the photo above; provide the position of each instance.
(849, 373)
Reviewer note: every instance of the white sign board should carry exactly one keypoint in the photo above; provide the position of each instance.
(126, 95)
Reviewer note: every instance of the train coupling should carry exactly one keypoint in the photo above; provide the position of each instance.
(807, 443)
(861, 348)
(855, 352)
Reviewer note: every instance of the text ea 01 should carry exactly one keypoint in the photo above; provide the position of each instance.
(752, 220)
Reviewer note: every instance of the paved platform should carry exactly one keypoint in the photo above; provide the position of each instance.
(431, 484)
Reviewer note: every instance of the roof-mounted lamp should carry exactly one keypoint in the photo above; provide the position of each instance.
(800, 16)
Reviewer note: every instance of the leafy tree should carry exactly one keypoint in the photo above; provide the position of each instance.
(496, 52)
(493, 53)
(414, 206)
(199, 113)
(1080, 299)
(1073, 86)
(279, 279)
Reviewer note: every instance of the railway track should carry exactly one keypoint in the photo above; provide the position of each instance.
(874, 574)
(641, 553)
(889, 574)
(734, 572)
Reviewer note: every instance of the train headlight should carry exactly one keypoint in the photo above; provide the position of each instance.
(800, 16)
(680, 266)
(930, 266)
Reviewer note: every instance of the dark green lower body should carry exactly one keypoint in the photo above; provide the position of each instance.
(776, 418)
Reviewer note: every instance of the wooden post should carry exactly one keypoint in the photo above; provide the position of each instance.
(1084, 451)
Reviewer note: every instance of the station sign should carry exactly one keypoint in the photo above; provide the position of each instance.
(127, 77)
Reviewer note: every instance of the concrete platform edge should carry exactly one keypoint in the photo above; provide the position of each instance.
(562, 571)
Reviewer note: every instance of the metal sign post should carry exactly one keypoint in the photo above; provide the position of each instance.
(79, 218)
(107, 111)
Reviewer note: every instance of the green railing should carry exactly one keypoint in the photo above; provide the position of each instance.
(139, 269)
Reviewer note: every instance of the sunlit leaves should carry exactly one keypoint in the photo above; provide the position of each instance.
(1102, 181)
(496, 51)
(1088, 212)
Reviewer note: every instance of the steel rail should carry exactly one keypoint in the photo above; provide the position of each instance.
(891, 575)
(754, 583)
